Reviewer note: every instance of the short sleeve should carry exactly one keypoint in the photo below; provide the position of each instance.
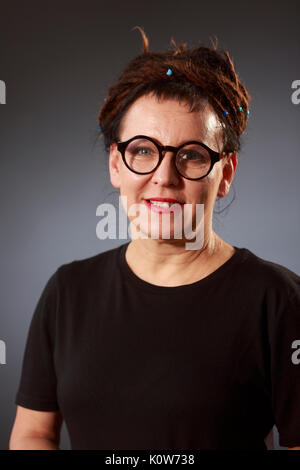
(37, 387)
(284, 330)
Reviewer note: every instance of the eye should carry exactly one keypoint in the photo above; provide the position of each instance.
(191, 155)
(143, 150)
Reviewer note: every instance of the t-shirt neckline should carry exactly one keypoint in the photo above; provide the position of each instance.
(220, 272)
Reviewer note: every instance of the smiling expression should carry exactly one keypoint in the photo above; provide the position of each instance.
(170, 123)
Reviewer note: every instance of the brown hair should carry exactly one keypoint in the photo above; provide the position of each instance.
(200, 75)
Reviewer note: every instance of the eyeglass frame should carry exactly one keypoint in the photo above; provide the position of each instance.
(214, 156)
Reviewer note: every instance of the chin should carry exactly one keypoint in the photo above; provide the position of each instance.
(156, 232)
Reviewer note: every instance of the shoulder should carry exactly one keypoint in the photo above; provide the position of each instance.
(276, 280)
(101, 265)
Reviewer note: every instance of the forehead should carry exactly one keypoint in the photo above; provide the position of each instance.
(170, 122)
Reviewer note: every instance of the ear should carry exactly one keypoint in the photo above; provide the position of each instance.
(114, 165)
(230, 162)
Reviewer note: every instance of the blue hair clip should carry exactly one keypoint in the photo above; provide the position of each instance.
(239, 108)
(169, 72)
(100, 127)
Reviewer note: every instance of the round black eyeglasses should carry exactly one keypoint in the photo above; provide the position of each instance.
(193, 160)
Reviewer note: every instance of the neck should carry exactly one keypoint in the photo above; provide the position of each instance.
(163, 262)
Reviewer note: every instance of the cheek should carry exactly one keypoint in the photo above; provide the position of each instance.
(204, 192)
(212, 183)
(132, 185)
(198, 192)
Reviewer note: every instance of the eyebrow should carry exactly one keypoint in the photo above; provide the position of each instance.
(178, 145)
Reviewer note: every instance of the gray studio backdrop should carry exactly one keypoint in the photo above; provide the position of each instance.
(56, 61)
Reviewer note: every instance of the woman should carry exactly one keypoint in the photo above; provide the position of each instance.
(158, 344)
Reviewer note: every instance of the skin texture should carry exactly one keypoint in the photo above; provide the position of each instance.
(161, 261)
(35, 430)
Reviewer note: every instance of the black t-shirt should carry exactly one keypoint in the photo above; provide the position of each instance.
(132, 365)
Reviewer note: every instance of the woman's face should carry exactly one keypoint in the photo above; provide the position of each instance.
(170, 123)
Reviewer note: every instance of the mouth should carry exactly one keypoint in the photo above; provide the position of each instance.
(163, 204)
(166, 200)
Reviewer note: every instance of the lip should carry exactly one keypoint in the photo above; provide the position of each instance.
(165, 199)
(159, 209)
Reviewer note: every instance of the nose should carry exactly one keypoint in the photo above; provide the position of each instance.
(166, 173)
